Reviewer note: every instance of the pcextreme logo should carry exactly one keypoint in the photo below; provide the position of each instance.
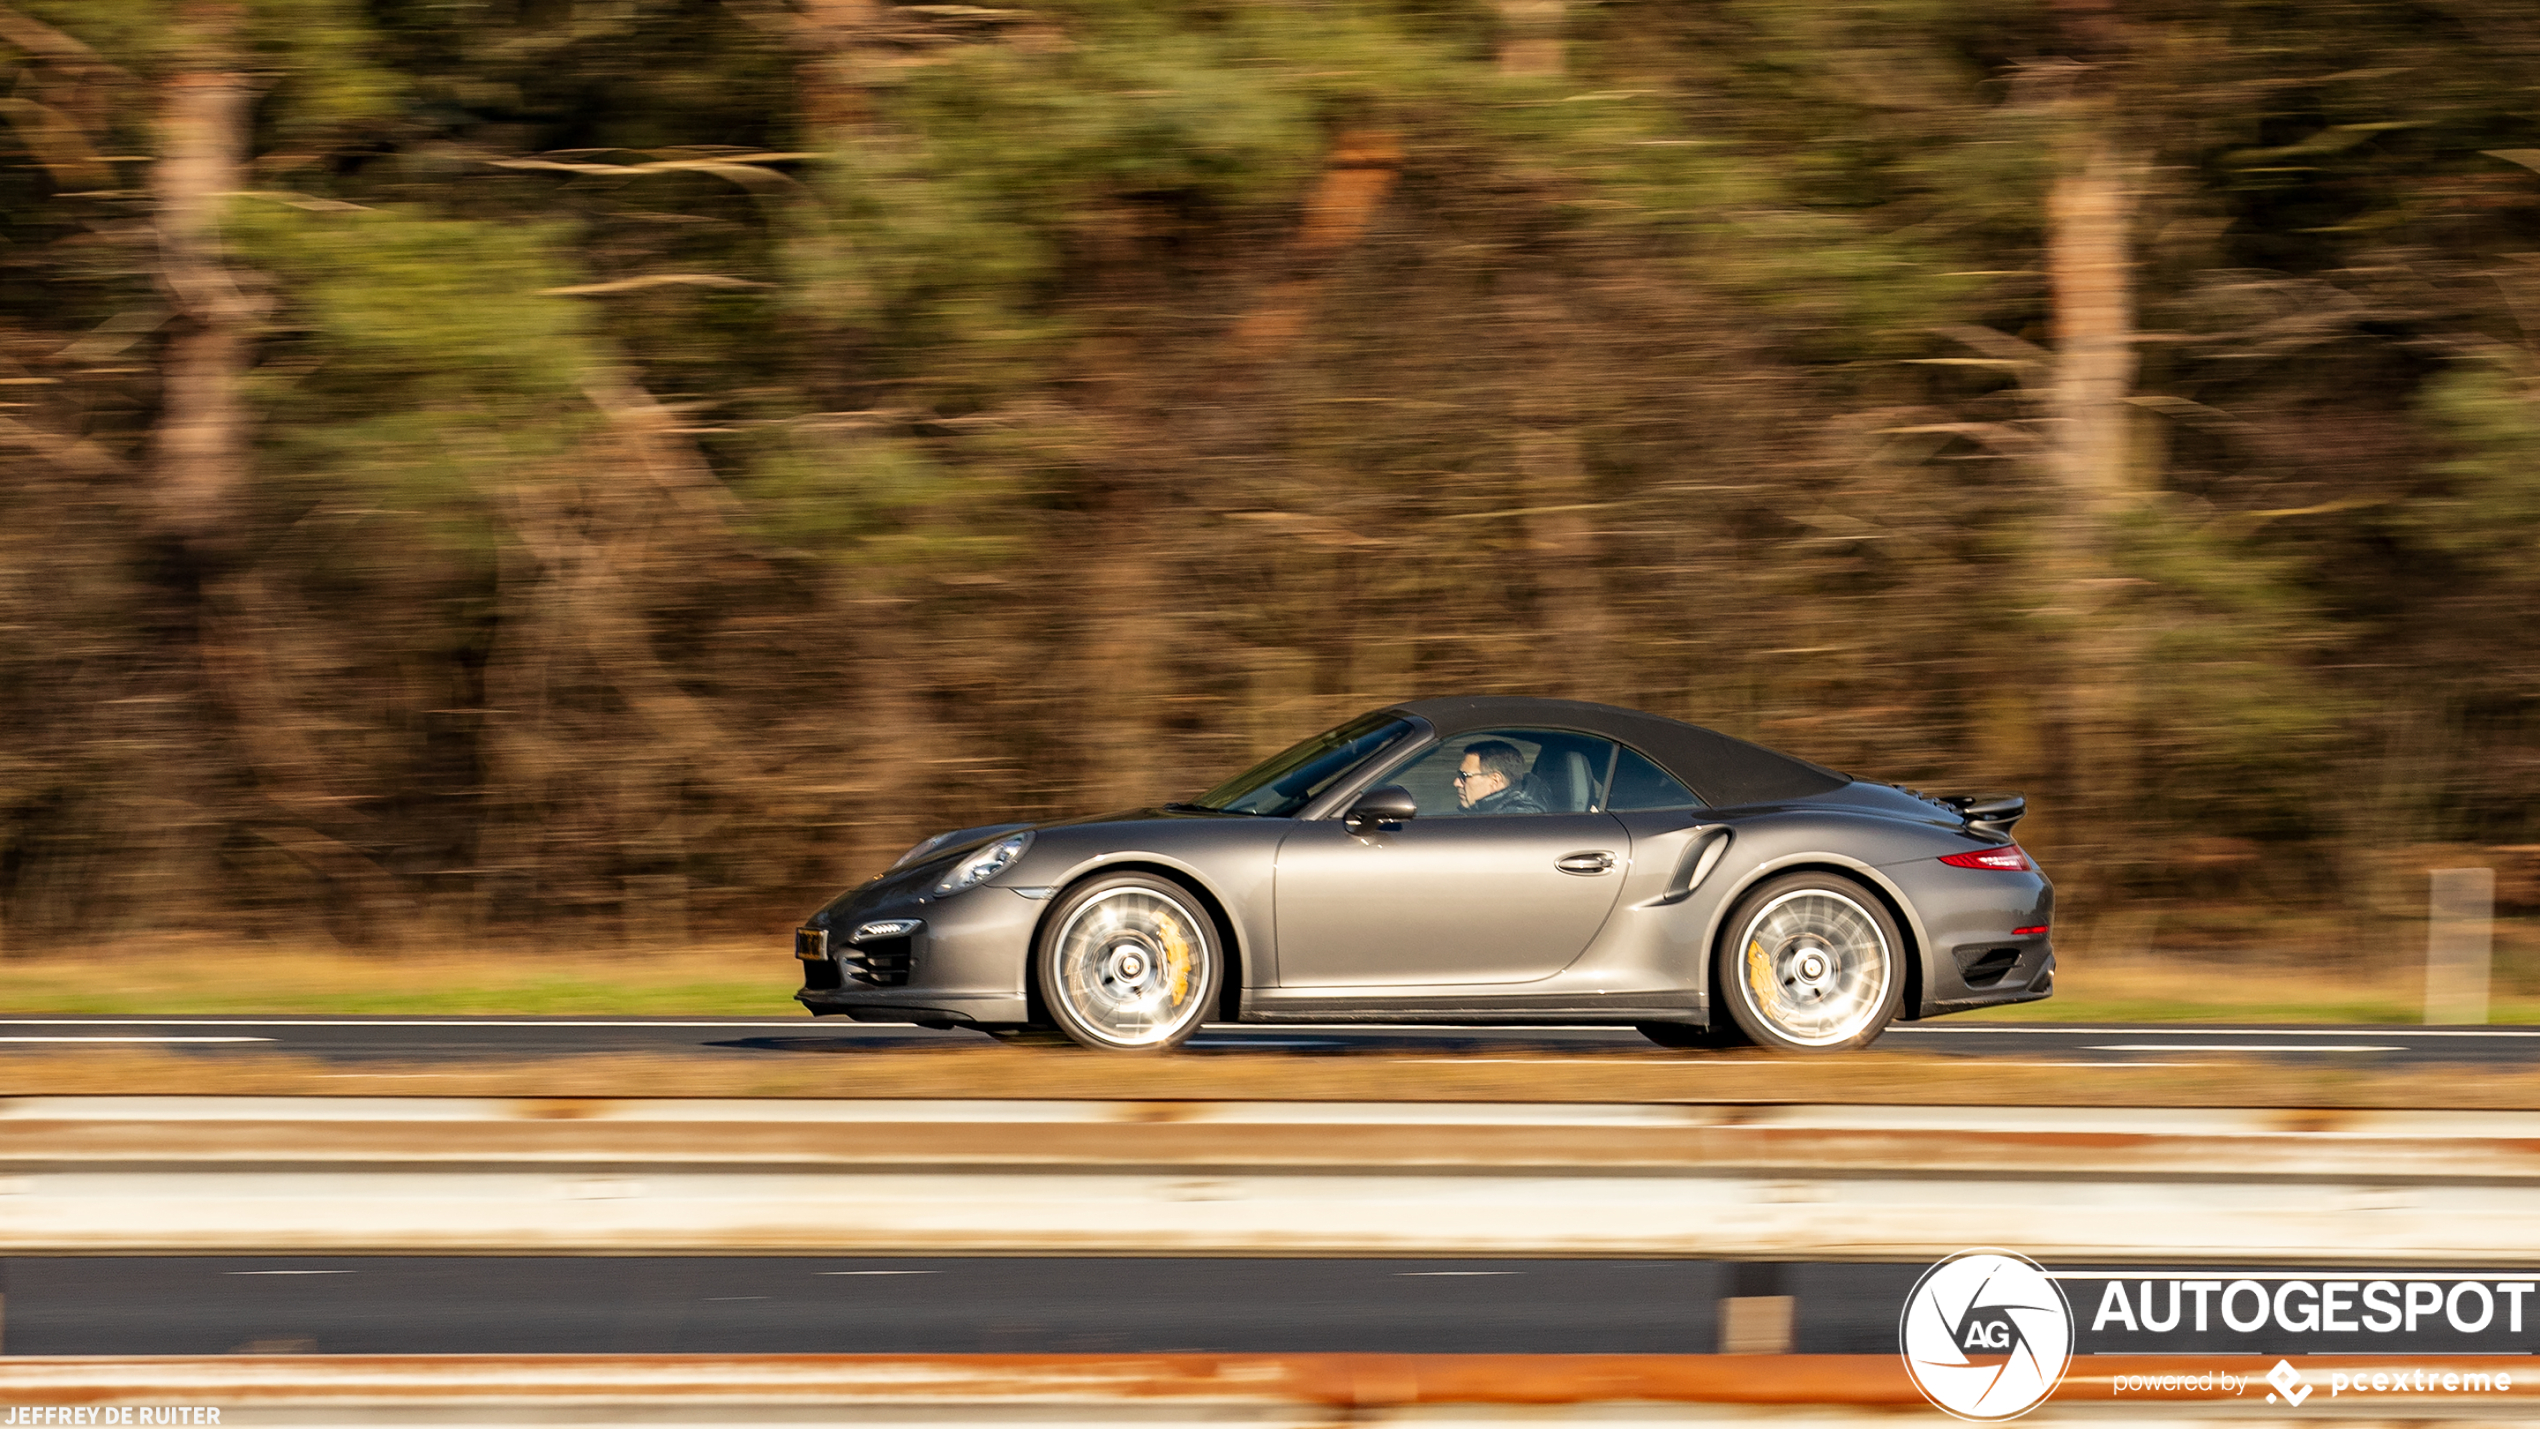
(1986, 1335)
(2289, 1384)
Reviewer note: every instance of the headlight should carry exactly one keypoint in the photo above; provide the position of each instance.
(987, 863)
(924, 848)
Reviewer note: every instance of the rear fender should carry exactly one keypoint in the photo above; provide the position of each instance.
(1769, 847)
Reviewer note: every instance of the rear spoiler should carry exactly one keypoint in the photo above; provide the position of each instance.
(1989, 813)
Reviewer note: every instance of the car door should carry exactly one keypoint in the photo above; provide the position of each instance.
(1457, 895)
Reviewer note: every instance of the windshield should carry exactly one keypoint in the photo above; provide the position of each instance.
(1287, 782)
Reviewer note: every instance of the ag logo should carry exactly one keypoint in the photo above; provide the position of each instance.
(1986, 1335)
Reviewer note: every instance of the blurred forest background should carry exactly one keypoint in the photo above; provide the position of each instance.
(486, 466)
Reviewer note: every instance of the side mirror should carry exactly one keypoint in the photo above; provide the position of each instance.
(1391, 804)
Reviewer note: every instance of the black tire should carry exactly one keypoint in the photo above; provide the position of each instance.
(1129, 962)
(1687, 1037)
(1811, 962)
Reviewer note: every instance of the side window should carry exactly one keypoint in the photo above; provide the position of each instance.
(1509, 771)
(1639, 784)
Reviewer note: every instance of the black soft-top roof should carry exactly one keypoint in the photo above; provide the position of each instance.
(1724, 771)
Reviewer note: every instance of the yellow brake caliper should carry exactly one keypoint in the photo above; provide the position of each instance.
(1177, 959)
(1759, 968)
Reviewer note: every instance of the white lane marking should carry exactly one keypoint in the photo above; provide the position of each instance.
(287, 1272)
(1245, 1032)
(128, 1038)
(1545, 1061)
(873, 1272)
(1431, 1274)
(1971, 1061)
(2385, 1274)
(1241, 1032)
(2211, 1047)
(356, 1022)
(2011, 1062)
(1501, 1028)
(712, 1298)
(2085, 1030)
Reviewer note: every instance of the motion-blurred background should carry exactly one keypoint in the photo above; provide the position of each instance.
(501, 466)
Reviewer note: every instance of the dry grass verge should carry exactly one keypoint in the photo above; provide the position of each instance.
(755, 977)
(167, 977)
(1032, 1073)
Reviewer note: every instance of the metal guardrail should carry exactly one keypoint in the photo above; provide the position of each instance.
(178, 1175)
(955, 1390)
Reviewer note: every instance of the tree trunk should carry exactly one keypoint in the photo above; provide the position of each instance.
(1125, 651)
(833, 35)
(2089, 215)
(201, 460)
(1530, 44)
(1357, 179)
(1572, 660)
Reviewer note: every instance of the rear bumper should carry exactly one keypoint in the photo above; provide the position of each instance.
(1972, 955)
(2030, 979)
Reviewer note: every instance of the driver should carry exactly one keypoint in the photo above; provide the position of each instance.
(1492, 780)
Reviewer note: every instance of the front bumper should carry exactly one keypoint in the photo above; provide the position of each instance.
(962, 965)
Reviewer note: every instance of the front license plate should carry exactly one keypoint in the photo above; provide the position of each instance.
(811, 944)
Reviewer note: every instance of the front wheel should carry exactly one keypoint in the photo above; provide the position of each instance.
(1813, 964)
(1129, 963)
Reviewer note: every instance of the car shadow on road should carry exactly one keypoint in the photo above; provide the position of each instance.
(844, 1044)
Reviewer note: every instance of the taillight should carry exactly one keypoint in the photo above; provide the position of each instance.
(2006, 859)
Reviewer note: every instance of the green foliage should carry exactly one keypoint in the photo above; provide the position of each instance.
(320, 59)
(315, 57)
(134, 34)
(2485, 413)
(2236, 722)
(418, 363)
(949, 231)
(874, 501)
(997, 336)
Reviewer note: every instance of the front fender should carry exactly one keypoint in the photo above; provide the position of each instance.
(1230, 864)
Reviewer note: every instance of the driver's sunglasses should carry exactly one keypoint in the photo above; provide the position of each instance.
(1461, 776)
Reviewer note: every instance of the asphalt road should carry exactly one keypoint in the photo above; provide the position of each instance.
(453, 1039)
(344, 1305)
(665, 1305)
(792, 1305)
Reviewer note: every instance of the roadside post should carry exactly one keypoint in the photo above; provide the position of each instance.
(2460, 931)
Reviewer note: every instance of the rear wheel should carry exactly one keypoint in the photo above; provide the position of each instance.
(1813, 964)
(1129, 963)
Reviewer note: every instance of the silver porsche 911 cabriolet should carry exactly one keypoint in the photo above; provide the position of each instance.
(1469, 861)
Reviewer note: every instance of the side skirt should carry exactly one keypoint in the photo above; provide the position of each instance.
(1493, 1012)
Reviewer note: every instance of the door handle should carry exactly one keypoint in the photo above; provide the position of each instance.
(1585, 864)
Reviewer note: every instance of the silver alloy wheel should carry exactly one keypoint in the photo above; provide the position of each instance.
(1130, 963)
(1814, 967)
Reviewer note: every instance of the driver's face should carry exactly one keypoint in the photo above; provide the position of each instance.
(1473, 782)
